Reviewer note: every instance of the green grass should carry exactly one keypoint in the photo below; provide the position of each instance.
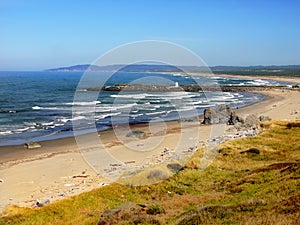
(236, 189)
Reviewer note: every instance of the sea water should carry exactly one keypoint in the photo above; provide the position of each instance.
(37, 106)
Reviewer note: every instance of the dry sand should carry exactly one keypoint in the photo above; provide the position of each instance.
(58, 169)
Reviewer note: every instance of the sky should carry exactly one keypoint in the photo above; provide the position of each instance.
(38, 35)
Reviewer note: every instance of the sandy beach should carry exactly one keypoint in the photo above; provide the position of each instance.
(58, 169)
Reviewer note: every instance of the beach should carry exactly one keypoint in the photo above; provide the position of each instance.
(58, 169)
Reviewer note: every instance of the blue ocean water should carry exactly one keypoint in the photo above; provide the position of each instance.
(37, 106)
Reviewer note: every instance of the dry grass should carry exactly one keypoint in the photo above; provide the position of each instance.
(237, 188)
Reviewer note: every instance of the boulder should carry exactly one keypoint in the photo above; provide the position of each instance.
(30, 145)
(234, 118)
(174, 167)
(264, 118)
(210, 116)
(251, 121)
(157, 175)
(41, 203)
(222, 114)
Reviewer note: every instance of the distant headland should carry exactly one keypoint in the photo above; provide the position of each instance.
(272, 70)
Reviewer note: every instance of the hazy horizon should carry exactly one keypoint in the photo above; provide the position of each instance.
(82, 64)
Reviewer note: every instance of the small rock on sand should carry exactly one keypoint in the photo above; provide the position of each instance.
(41, 203)
(30, 145)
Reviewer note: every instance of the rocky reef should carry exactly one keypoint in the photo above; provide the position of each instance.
(178, 88)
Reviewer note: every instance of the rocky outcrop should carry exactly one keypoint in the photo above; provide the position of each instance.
(222, 114)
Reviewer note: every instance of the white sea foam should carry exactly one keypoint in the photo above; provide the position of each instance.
(204, 106)
(48, 124)
(136, 115)
(78, 118)
(21, 130)
(52, 108)
(36, 107)
(156, 113)
(58, 124)
(113, 107)
(259, 82)
(107, 115)
(82, 103)
(5, 132)
(195, 103)
(64, 120)
(134, 96)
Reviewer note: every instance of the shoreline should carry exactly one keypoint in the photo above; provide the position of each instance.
(58, 170)
(15, 154)
(291, 79)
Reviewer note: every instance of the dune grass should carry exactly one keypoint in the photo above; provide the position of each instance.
(238, 188)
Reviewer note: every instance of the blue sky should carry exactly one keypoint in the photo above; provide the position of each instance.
(36, 35)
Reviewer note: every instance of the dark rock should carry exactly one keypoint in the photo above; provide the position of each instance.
(41, 203)
(39, 124)
(174, 167)
(264, 118)
(293, 168)
(188, 88)
(136, 134)
(251, 151)
(30, 145)
(278, 166)
(292, 124)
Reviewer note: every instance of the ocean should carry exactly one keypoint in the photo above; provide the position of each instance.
(36, 106)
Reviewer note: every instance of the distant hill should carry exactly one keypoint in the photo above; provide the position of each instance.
(128, 68)
(284, 70)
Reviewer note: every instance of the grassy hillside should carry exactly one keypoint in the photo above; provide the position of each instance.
(254, 180)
